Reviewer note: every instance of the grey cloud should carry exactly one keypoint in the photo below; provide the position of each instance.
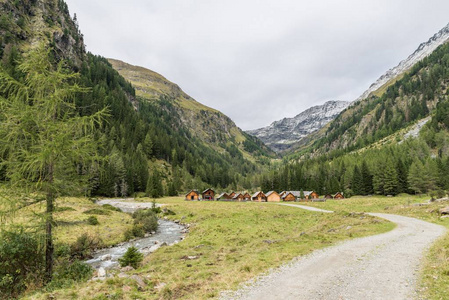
(259, 61)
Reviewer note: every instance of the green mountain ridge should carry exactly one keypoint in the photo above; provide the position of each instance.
(205, 123)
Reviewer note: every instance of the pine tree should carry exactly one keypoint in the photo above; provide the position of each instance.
(367, 179)
(390, 180)
(46, 145)
(357, 181)
(402, 176)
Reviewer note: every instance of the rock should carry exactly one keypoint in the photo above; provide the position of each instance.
(122, 275)
(127, 269)
(140, 283)
(160, 286)
(101, 272)
(126, 288)
(444, 211)
(164, 244)
(190, 257)
(349, 227)
(106, 257)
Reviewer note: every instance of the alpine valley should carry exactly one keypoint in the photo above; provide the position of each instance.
(108, 172)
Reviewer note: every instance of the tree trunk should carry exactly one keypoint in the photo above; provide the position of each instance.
(49, 248)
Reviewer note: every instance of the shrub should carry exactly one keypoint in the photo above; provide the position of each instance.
(68, 273)
(84, 246)
(21, 262)
(132, 258)
(92, 220)
(97, 211)
(146, 218)
(135, 231)
(168, 212)
(110, 207)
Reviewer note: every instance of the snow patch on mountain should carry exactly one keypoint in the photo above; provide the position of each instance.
(424, 50)
(281, 135)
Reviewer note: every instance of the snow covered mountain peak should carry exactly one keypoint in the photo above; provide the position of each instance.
(423, 51)
(283, 134)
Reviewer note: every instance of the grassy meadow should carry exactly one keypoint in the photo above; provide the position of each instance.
(228, 244)
(71, 220)
(435, 272)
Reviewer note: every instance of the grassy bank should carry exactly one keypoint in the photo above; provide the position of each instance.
(435, 272)
(228, 244)
(71, 220)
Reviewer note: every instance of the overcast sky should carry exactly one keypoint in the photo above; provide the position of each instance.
(260, 61)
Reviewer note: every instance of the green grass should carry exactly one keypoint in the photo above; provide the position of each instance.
(232, 243)
(435, 271)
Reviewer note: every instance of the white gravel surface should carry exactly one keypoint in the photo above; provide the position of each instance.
(128, 204)
(384, 266)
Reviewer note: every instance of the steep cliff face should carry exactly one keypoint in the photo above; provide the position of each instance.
(284, 134)
(25, 23)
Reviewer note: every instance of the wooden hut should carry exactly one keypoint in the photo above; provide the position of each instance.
(247, 196)
(259, 197)
(288, 196)
(224, 196)
(208, 194)
(232, 194)
(282, 194)
(193, 195)
(339, 196)
(238, 197)
(273, 196)
(311, 195)
(328, 196)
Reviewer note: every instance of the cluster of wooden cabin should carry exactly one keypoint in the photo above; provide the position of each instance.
(259, 196)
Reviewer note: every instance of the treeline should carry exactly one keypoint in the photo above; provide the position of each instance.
(144, 146)
(409, 167)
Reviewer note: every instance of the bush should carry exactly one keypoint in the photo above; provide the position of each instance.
(68, 273)
(110, 207)
(132, 258)
(135, 231)
(92, 220)
(97, 211)
(21, 262)
(84, 246)
(146, 218)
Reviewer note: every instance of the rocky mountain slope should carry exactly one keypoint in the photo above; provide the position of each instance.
(404, 100)
(282, 135)
(424, 50)
(402, 96)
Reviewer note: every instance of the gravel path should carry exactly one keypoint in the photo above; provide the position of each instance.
(307, 207)
(383, 266)
(127, 205)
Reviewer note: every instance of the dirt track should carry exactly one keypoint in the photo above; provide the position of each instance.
(384, 266)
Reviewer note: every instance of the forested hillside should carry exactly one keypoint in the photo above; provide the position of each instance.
(369, 149)
(410, 98)
(145, 146)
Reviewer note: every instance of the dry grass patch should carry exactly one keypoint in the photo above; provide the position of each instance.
(71, 215)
